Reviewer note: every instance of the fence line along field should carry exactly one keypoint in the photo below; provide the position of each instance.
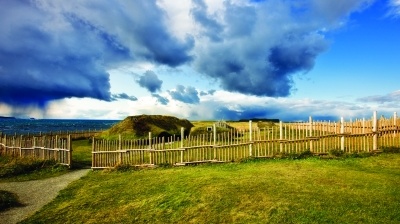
(285, 138)
(244, 140)
(47, 146)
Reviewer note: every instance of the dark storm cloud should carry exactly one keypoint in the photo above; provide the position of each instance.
(262, 44)
(150, 81)
(123, 96)
(59, 49)
(247, 112)
(187, 95)
(161, 99)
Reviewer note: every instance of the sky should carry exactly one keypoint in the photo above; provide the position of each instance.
(200, 59)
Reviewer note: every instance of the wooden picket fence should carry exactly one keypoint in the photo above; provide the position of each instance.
(63, 134)
(43, 147)
(285, 138)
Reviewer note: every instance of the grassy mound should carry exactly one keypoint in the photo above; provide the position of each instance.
(139, 126)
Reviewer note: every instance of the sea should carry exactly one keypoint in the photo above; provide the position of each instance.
(36, 126)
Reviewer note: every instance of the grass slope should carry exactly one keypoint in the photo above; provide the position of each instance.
(351, 190)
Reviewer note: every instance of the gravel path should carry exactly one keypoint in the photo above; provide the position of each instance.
(35, 194)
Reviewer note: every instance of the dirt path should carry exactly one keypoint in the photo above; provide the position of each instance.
(35, 194)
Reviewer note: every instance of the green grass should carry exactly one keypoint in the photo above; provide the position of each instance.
(23, 169)
(351, 190)
(81, 154)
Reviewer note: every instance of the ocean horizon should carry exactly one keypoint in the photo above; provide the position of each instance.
(18, 126)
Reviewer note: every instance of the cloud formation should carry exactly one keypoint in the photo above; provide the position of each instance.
(209, 92)
(162, 100)
(60, 49)
(255, 48)
(209, 27)
(123, 96)
(150, 81)
(185, 94)
(388, 98)
(395, 8)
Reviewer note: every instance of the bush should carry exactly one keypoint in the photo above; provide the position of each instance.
(336, 152)
(391, 149)
(305, 154)
(8, 200)
(122, 167)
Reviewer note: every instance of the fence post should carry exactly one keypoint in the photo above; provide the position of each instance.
(251, 139)
(151, 160)
(120, 148)
(215, 140)
(342, 133)
(69, 147)
(374, 130)
(20, 147)
(182, 135)
(311, 134)
(280, 136)
(363, 132)
(395, 129)
(93, 150)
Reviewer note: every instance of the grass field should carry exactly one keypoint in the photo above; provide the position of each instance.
(351, 190)
(81, 154)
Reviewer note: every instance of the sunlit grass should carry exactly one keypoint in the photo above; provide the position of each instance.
(312, 190)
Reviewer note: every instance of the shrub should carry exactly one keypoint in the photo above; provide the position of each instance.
(305, 154)
(8, 200)
(336, 152)
(122, 167)
(358, 155)
(391, 149)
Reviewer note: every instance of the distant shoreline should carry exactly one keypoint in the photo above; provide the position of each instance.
(9, 118)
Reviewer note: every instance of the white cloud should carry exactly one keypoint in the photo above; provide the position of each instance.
(395, 7)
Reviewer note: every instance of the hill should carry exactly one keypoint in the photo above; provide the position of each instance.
(159, 125)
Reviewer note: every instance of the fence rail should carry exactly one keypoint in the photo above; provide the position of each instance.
(317, 137)
(43, 147)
